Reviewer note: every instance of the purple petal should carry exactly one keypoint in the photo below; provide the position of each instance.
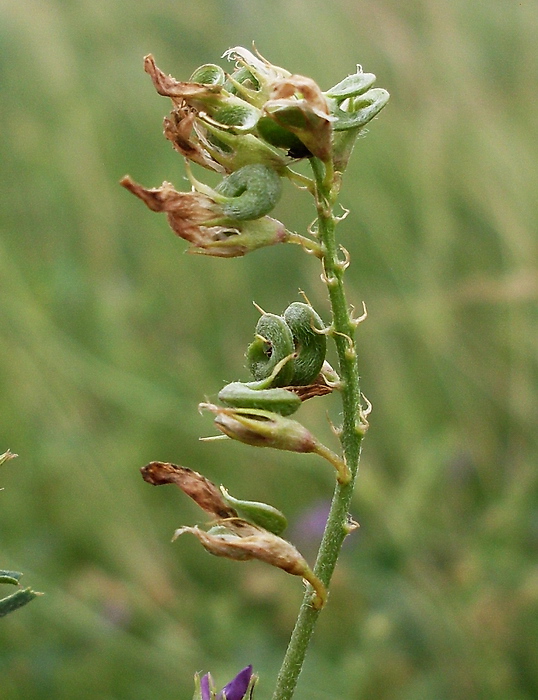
(237, 687)
(204, 687)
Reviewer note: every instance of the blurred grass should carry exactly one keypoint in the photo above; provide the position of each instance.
(110, 336)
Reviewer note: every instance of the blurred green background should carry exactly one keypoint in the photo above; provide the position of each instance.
(110, 335)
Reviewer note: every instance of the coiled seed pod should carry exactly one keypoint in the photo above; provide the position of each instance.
(273, 342)
(250, 192)
(310, 347)
(287, 352)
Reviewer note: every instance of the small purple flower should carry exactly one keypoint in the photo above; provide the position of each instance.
(236, 689)
(205, 686)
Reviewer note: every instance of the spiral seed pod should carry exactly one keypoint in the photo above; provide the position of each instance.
(250, 192)
(352, 85)
(287, 352)
(310, 347)
(274, 341)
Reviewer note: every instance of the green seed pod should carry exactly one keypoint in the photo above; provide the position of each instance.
(250, 192)
(287, 352)
(273, 343)
(274, 134)
(365, 108)
(351, 86)
(242, 395)
(310, 347)
(260, 514)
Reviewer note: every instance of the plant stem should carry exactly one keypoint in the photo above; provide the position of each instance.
(351, 436)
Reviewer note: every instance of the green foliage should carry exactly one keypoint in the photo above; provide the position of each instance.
(16, 600)
(22, 596)
(103, 324)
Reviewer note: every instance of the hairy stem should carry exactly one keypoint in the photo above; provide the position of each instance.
(352, 430)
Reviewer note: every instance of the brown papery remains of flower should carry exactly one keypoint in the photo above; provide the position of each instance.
(167, 86)
(193, 484)
(245, 541)
(187, 212)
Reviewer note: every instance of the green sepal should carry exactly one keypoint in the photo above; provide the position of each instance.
(255, 426)
(243, 237)
(197, 689)
(261, 514)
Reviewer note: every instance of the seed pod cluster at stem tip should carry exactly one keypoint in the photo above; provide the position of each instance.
(251, 126)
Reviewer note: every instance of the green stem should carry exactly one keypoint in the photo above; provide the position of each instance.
(351, 437)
